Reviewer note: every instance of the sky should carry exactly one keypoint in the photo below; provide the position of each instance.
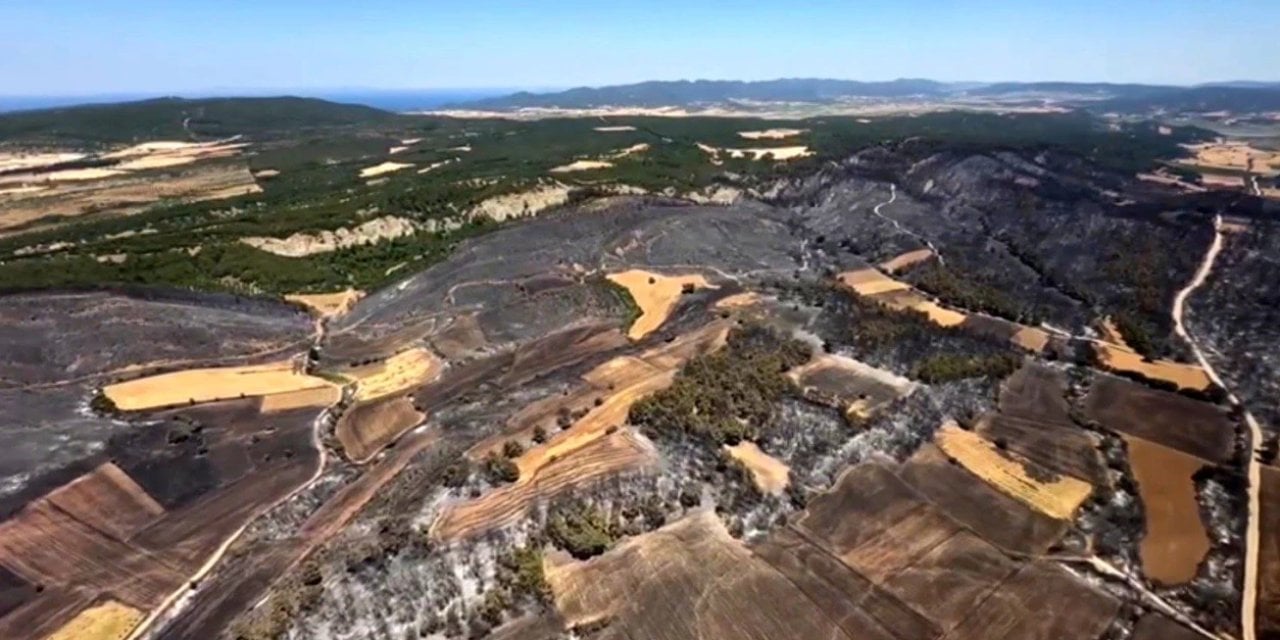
(180, 47)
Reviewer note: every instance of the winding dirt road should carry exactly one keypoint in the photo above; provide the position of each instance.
(1249, 592)
(893, 195)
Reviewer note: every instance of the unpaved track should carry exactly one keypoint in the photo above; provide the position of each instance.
(893, 195)
(1249, 593)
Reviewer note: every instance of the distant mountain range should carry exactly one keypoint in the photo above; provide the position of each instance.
(1228, 96)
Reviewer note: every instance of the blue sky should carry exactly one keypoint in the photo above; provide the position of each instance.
(84, 47)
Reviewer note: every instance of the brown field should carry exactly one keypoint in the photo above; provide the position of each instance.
(107, 621)
(327, 305)
(369, 426)
(1190, 426)
(208, 385)
(131, 507)
(113, 192)
(1058, 498)
(1268, 612)
(910, 258)
(1031, 339)
(656, 299)
(1175, 541)
(623, 450)
(770, 474)
(1155, 626)
(401, 372)
(852, 386)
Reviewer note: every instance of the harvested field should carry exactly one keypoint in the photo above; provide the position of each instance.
(582, 165)
(870, 282)
(1040, 602)
(1057, 498)
(401, 372)
(208, 385)
(771, 134)
(1155, 626)
(856, 388)
(385, 167)
(1190, 426)
(107, 621)
(1175, 540)
(1121, 358)
(316, 397)
(622, 450)
(1234, 156)
(368, 427)
(689, 579)
(327, 305)
(656, 295)
(100, 192)
(770, 474)
(910, 258)
(107, 500)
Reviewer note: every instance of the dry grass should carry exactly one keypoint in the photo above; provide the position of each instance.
(770, 474)
(1235, 156)
(656, 296)
(898, 263)
(385, 167)
(1058, 498)
(107, 621)
(1175, 540)
(739, 301)
(208, 385)
(327, 305)
(1031, 339)
(400, 372)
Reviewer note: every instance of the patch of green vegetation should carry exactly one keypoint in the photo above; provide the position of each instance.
(500, 470)
(968, 293)
(521, 572)
(631, 310)
(581, 529)
(948, 367)
(727, 396)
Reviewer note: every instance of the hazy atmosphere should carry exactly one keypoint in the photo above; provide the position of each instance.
(90, 47)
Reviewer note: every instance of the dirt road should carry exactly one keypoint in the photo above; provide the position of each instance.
(893, 195)
(1249, 595)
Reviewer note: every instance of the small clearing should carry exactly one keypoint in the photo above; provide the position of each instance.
(327, 305)
(208, 385)
(656, 295)
(770, 474)
(386, 167)
(522, 203)
(870, 282)
(910, 258)
(306, 244)
(615, 129)
(758, 153)
(1058, 498)
(771, 134)
(436, 165)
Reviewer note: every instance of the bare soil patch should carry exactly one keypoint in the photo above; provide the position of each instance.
(1190, 426)
(367, 428)
(770, 474)
(307, 244)
(327, 305)
(910, 258)
(856, 388)
(582, 165)
(384, 168)
(771, 134)
(656, 295)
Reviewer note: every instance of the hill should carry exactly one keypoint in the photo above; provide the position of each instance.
(181, 118)
(685, 92)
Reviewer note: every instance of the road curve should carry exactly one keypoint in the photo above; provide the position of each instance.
(1249, 592)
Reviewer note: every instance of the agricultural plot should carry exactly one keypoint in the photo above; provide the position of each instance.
(1191, 426)
(656, 295)
(194, 386)
(856, 388)
(1175, 540)
(769, 474)
(1268, 611)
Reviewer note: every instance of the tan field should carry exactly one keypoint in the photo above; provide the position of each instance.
(770, 474)
(1238, 156)
(739, 301)
(1031, 338)
(327, 305)
(656, 296)
(853, 386)
(582, 165)
(898, 263)
(1175, 541)
(107, 621)
(869, 282)
(1219, 180)
(385, 167)
(208, 385)
(1058, 498)
(771, 134)
(1114, 353)
(63, 175)
(368, 427)
(314, 397)
(400, 372)
(35, 160)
